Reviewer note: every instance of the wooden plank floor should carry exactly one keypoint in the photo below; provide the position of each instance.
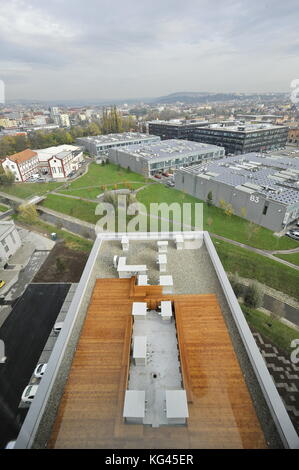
(90, 412)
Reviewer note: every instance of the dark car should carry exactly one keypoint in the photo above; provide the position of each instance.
(293, 234)
(158, 176)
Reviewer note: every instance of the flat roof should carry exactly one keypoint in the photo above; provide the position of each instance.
(116, 138)
(94, 344)
(241, 127)
(170, 149)
(276, 177)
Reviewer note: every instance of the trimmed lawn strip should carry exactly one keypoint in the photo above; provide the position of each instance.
(24, 190)
(216, 221)
(73, 242)
(4, 208)
(278, 333)
(291, 258)
(74, 207)
(254, 266)
(92, 193)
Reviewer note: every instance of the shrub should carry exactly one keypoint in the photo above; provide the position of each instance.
(253, 296)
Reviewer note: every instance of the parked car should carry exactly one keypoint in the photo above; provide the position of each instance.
(157, 175)
(170, 183)
(29, 393)
(165, 173)
(72, 173)
(40, 370)
(58, 326)
(2, 283)
(293, 234)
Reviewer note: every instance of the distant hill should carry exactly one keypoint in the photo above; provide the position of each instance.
(205, 97)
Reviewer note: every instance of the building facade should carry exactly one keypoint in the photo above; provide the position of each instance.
(59, 161)
(22, 164)
(262, 189)
(155, 158)
(10, 242)
(242, 138)
(293, 137)
(174, 129)
(99, 145)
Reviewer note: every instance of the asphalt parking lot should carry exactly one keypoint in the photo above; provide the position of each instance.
(25, 333)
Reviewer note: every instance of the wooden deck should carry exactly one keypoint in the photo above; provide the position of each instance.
(221, 413)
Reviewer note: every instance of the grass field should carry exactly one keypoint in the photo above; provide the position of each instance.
(93, 192)
(24, 190)
(74, 207)
(215, 220)
(254, 266)
(99, 175)
(291, 258)
(3, 208)
(278, 333)
(72, 241)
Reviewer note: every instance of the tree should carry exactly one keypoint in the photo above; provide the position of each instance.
(28, 213)
(210, 221)
(253, 295)
(251, 229)
(236, 284)
(210, 198)
(60, 265)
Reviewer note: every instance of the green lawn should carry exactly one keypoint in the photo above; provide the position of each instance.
(4, 208)
(291, 258)
(254, 266)
(278, 333)
(72, 241)
(74, 207)
(93, 192)
(215, 220)
(99, 175)
(25, 190)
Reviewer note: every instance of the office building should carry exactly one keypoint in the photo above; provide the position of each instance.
(99, 145)
(135, 368)
(262, 188)
(22, 164)
(242, 138)
(149, 160)
(10, 242)
(175, 128)
(59, 161)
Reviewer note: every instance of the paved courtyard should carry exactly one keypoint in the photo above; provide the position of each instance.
(285, 375)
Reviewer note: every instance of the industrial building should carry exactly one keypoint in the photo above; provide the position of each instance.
(262, 188)
(100, 144)
(239, 138)
(149, 160)
(175, 128)
(135, 367)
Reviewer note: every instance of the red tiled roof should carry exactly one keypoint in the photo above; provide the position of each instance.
(22, 156)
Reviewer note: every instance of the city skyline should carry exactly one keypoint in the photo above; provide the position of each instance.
(60, 50)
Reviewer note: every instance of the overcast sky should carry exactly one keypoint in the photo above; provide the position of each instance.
(98, 49)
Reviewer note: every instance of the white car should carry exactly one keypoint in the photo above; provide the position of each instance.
(29, 393)
(40, 370)
(57, 327)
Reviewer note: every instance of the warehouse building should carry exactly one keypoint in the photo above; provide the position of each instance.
(264, 189)
(149, 160)
(99, 145)
(239, 138)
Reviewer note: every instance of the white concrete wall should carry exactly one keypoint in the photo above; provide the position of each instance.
(10, 242)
